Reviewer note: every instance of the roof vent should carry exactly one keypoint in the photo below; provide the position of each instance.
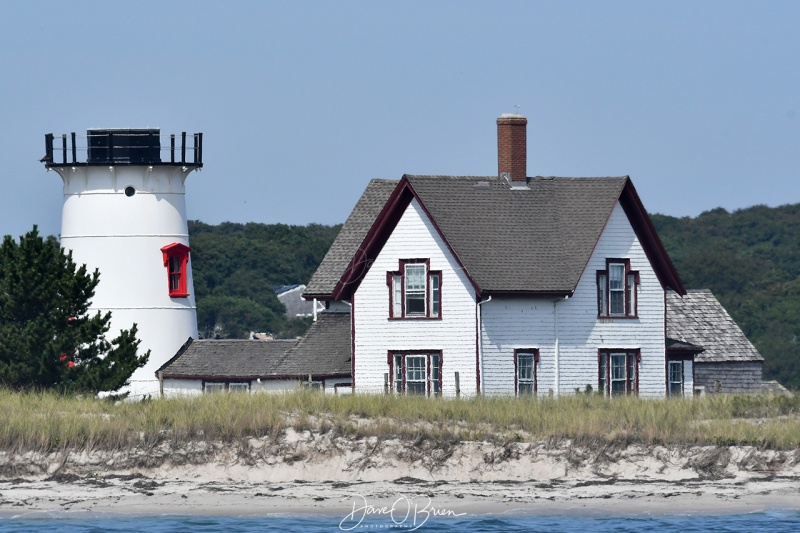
(482, 185)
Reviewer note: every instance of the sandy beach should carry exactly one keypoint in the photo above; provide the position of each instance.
(312, 474)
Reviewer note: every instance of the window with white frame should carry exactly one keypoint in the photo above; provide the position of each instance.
(675, 376)
(226, 386)
(525, 361)
(617, 287)
(415, 291)
(212, 386)
(416, 372)
(618, 372)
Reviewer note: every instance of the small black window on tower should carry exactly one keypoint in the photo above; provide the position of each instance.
(174, 273)
(129, 191)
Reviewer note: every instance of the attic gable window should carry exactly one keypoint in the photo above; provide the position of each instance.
(176, 259)
(617, 290)
(415, 291)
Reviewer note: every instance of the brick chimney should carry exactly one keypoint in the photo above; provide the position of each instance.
(512, 148)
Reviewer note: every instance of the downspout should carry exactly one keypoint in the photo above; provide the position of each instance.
(556, 354)
(352, 344)
(315, 309)
(478, 318)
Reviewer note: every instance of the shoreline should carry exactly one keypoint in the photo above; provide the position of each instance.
(623, 498)
(308, 475)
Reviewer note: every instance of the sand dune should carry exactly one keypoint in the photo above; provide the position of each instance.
(312, 473)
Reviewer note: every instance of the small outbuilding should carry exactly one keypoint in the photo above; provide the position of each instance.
(725, 361)
(320, 360)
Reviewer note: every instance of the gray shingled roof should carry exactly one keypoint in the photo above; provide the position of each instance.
(534, 240)
(350, 236)
(537, 239)
(323, 351)
(699, 319)
(228, 359)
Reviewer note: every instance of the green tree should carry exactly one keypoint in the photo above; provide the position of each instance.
(48, 339)
(750, 259)
(237, 267)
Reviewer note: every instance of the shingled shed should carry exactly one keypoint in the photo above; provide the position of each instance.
(725, 360)
(321, 356)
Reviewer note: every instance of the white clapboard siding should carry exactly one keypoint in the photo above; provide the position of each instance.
(512, 323)
(688, 378)
(182, 387)
(531, 323)
(194, 387)
(454, 334)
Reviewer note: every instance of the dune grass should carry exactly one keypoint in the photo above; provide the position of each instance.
(31, 421)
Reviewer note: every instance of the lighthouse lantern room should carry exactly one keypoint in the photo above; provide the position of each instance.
(124, 213)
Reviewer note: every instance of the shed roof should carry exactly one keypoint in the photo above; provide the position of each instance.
(699, 319)
(227, 358)
(323, 351)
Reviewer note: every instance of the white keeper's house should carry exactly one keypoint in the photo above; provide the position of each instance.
(505, 284)
(455, 285)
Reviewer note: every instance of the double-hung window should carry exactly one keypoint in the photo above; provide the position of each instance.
(415, 304)
(176, 259)
(416, 372)
(525, 361)
(618, 372)
(675, 375)
(415, 291)
(175, 272)
(616, 289)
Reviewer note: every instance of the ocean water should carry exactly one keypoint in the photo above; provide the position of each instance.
(769, 521)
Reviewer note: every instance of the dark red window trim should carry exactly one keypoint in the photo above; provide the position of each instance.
(404, 354)
(401, 272)
(629, 300)
(634, 353)
(179, 252)
(526, 351)
(682, 362)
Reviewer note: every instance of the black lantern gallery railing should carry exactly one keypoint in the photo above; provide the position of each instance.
(122, 147)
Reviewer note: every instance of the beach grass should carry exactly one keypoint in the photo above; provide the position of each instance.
(44, 421)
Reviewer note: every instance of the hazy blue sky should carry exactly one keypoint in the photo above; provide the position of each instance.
(301, 103)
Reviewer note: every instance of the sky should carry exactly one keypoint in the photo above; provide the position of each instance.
(302, 103)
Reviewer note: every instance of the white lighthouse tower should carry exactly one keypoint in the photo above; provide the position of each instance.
(125, 214)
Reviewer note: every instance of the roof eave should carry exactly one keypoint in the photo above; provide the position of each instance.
(648, 237)
(377, 236)
(172, 359)
(526, 294)
(318, 296)
(267, 377)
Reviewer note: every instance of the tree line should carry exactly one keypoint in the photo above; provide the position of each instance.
(237, 267)
(750, 259)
